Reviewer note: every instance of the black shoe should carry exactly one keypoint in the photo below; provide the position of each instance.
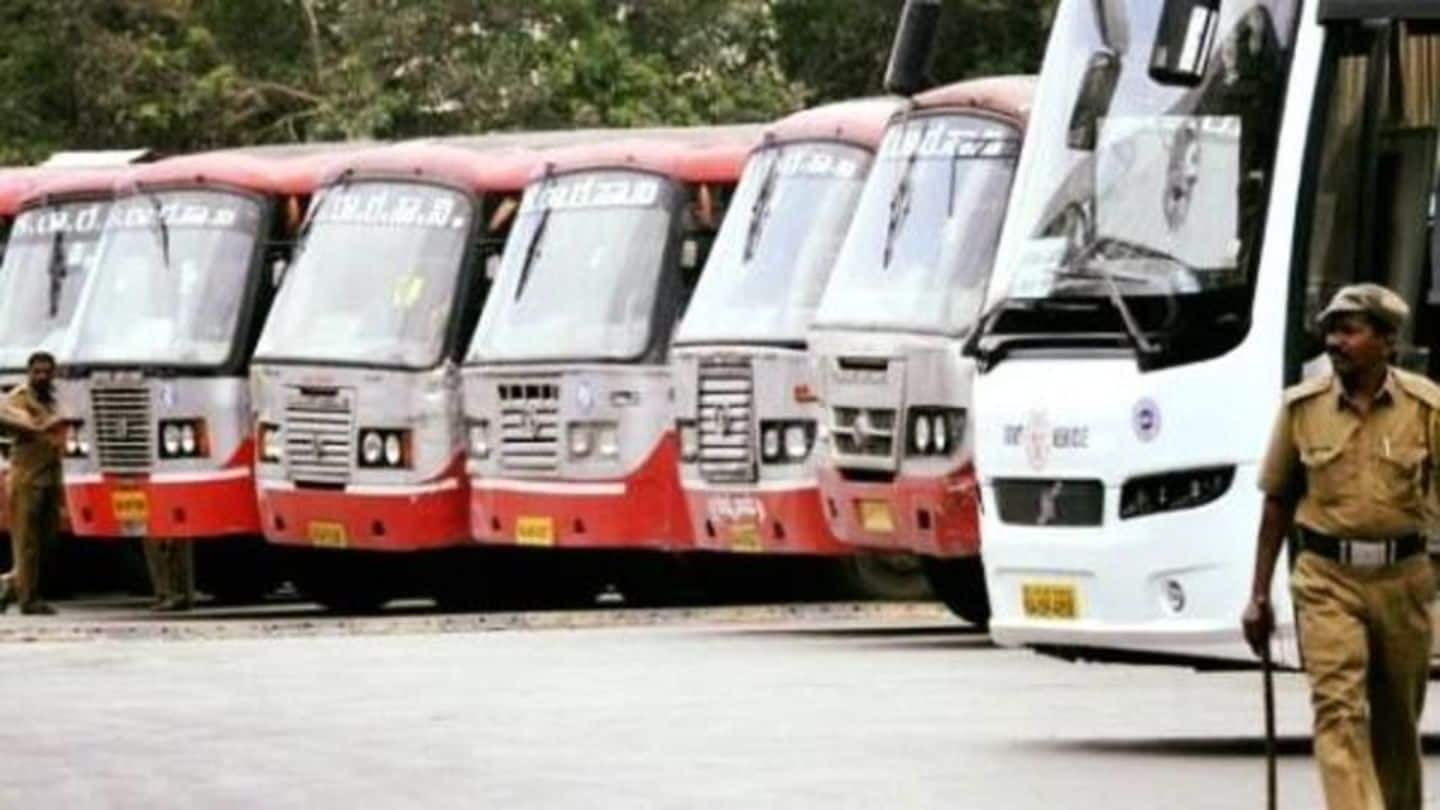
(7, 596)
(38, 609)
(173, 605)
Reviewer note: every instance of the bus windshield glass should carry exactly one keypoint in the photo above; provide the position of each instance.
(174, 264)
(51, 251)
(1150, 157)
(919, 251)
(376, 278)
(581, 270)
(775, 250)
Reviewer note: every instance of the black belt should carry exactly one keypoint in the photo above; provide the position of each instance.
(1363, 552)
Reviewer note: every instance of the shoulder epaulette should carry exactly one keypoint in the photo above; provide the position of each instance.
(1419, 386)
(1308, 387)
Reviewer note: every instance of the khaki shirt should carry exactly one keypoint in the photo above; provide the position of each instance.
(1355, 476)
(34, 456)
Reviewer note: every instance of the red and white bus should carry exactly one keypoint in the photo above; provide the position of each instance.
(567, 382)
(746, 398)
(356, 376)
(906, 289)
(160, 353)
(50, 252)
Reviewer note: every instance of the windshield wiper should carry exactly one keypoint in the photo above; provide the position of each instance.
(760, 211)
(161, 226)
(1081, 268)
(532, 250)
(900, 200)
(56, 271)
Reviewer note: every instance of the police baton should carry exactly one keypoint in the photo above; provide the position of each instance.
(1267, 671)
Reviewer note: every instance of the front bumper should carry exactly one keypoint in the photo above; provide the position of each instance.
(931, 515)
(398, 519)
(176, 506)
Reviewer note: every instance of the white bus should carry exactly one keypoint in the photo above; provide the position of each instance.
(1201, 175)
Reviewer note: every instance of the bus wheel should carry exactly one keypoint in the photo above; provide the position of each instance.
(959, 582)
(343, 582)
(238, 571)
(886, 577)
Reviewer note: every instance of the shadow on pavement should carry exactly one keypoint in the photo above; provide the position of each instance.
(1290, 746)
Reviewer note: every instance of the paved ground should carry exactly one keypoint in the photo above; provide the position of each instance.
(825, 707)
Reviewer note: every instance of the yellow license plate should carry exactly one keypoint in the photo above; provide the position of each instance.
(535, 531)
(327, 534)
(745, 537)
(875, 516)
(1049, 601)
(130, 505)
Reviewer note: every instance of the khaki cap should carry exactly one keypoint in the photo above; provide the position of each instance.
(1381, 302)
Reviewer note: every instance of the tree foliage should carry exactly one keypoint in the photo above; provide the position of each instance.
(181, 75)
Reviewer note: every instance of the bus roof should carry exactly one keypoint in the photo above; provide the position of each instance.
(1006, 96)
(65, 184)
(471, 166)
(16, 183)
(695, 155)
(860, 122)
(273, 174)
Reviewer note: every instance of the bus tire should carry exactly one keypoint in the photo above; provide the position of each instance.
(342, 582)
(885, 577)
(959, 582)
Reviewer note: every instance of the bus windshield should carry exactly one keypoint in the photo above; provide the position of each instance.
(920, 248)
(581, 270)
(1148, 164)
(174, 263)
(376, 278)
(50, 252)
(775, 250)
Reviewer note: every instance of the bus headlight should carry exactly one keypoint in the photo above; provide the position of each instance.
(786, 442)
(770, 442)
(75, 444)
(581, 440)
(934, 431)
(607, 440)
(271, 448)
(480, 440)
(1173, 491)
(183, 438)
(384, 448)
(689, 440)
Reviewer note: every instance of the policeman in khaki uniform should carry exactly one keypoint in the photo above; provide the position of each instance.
(172, 573)
(30, 415)
(1351, 463)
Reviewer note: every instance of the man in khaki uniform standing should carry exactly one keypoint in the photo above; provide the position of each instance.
(172, 573)
(29, 412)
(1351, 462)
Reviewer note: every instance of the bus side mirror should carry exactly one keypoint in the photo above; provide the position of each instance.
(1097, 89)
(908, 72)
(1184, 41)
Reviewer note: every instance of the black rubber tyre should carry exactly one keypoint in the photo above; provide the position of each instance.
(960, 584)
(885, 577)
(237, 571)
(344, 582)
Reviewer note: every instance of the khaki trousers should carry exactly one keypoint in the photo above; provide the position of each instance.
(172, 569)
(34, 525)
(1365, 637)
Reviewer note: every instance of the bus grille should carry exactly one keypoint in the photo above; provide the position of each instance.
(319, 444)
(864, 432)
(530, 427)
(123, 430)
(1047, 502)
(726, 428)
